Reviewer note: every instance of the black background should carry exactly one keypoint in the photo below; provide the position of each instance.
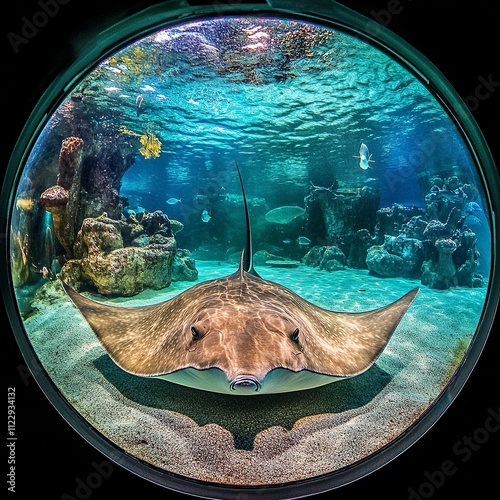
(462, 41)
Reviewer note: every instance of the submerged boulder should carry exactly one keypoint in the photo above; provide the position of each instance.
(183, 267)
(114, 269)
(379, 261)
(442, 273)
(327, 258)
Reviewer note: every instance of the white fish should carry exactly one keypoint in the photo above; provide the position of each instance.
(206, 215)
(174, 201)
(303, 241)
(364, 156)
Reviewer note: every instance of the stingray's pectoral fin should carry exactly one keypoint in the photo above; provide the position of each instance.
(134, 337)
(352, 342)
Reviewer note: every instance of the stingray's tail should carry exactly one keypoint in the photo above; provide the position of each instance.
(247, 252)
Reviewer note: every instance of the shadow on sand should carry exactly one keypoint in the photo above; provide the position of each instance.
(246, 416)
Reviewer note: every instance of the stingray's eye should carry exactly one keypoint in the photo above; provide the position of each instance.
(195, 333)
(295, 335)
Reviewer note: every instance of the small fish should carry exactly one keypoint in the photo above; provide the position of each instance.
(303, 241)
(174, 201)
(206, 215)
(364, 157)
(46, 274)
(138, 104)
(287, 241)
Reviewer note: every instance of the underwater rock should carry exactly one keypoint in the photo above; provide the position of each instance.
(184, 267)
(390, 220)
(436, 230)
(117, 270)
(415, 227)
(128, 271)
(448, 195)
(63, 200)
(411, 251)
(362, 241)
(176, 226)
(327, 258)
(313, 257)
(379, 261)
(285, 264)
(466, 259)
(55, 200)
(333, 259)
(262, 256)
(70, 157)
(336, 218)
(443, 273)
(140, 241)
(154, 222)
(19, 258)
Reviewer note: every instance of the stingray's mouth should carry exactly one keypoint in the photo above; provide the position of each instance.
(245, 384)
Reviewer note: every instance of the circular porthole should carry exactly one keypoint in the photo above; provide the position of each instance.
(239, 237)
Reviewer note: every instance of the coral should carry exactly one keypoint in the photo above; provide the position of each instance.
(379, 261)
(411, 251)
(176, 226)
(113, 269)
(362, 241)
(391, 220)
(151, 146)
(156, 221)
(466, 259)
(184, 268)
(19, 259)
(327, 258)
(54, 200)
(70, 157)
(414, 228)
(336, 216)
(443, 273)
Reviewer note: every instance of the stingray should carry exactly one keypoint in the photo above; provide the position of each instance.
(242, 334)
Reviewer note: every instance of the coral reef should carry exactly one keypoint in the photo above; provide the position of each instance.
(88, 184)
(434, 244)
(115, 269)
(184, 267)
(327, 258)
(442, 273)
(341, 214)
(383, 263)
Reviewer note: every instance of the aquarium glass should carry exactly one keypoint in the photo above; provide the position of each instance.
(360, 188)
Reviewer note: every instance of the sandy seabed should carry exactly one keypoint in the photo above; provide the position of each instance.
(265, 439)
